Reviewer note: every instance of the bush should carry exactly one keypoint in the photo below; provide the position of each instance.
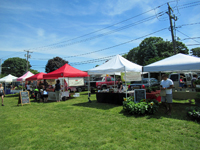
(144, 107)
(194, 113)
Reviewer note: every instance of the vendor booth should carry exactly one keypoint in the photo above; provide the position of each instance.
(177, 63)
(115, 65)
(22, 80)
(8, 79)
(68, 76)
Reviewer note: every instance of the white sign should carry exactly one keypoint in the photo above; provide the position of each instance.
(76, 81)
(131, 76)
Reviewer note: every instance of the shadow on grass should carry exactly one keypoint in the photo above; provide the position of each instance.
(179, 111)
(96, 105)
(12, 95)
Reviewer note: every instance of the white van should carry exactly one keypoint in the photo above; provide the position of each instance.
(175, 77)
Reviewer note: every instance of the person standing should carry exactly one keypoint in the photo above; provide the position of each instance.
(2, 93)
(57, 90)
(167, 85)
(119, 85)
(193, 80)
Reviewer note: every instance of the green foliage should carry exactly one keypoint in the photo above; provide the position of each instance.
(196, 51)
(194, 113)
(15, 66)
(153, 49)
(54, 64)
(197, 82)
(33, 71)
(143, 107)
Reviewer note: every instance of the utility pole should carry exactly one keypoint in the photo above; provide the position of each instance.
(171, 26)
(27, 57)
(1, 67)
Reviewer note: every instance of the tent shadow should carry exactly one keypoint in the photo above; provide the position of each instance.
(12, 95)
(96, 105)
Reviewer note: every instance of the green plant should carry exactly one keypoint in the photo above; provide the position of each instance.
(141, 108)
(194, 113)
(197, 82)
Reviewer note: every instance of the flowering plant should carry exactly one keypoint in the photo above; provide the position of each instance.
(145, 106)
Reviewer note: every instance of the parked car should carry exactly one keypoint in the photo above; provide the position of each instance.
(102, 83)
(187, 77)
(145, 82)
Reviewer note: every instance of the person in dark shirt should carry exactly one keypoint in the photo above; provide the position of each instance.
(57, 90)
(119, 85)
(193, 80)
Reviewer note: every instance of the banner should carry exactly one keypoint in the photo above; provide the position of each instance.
(76, 82)
(131, 76)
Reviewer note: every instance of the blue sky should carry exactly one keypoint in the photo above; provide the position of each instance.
(45, 27)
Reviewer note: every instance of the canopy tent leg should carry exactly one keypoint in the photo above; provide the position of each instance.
(125, 82)
(149, 76)
(114, 80)
(89, 89)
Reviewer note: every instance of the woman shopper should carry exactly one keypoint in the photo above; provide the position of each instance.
(2, 93)
(57, 90)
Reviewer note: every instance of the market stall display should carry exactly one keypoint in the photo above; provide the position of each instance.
(68, 76)
(177, 63)
(8, 79)
(116, 64)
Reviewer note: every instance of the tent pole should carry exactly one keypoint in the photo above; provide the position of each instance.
(89, 89)
(114, 80)
(149, 78)
(125, 81)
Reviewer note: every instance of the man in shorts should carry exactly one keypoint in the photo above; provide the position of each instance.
(167, 85)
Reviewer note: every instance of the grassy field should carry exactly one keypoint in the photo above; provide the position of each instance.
(77, 124)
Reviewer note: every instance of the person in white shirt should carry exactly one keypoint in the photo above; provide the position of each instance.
(167, 85)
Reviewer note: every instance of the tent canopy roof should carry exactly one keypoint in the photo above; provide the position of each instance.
(38, 76)
(65, 71)
(26, 75)
(8, 78)
(178, 62)
(116, 64)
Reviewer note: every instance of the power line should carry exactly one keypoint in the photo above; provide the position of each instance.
(104, 27)
(117, 44)
(188, 36)
(109, 32)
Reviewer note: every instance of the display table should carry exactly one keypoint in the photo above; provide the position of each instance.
(52, 96)
(111, 98)
(154, 95)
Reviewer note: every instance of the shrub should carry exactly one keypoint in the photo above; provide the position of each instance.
(194, 113)
(149, 106)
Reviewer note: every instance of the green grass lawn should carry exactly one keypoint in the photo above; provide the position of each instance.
(77, 124)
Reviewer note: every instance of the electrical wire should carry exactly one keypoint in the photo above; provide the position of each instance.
(188, 36)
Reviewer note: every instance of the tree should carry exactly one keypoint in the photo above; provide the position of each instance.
(33, 71)
(148, 49)
(153, 49)
(54, 64)
(15, 66)
(196, 51)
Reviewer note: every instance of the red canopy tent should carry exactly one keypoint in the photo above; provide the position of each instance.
(65, 71)
(38, 76)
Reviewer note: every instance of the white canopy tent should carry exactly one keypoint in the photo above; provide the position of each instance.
(114, 65)
(8, 78)
(178, 62)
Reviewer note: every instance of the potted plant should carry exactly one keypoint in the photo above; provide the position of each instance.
(197, 99)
